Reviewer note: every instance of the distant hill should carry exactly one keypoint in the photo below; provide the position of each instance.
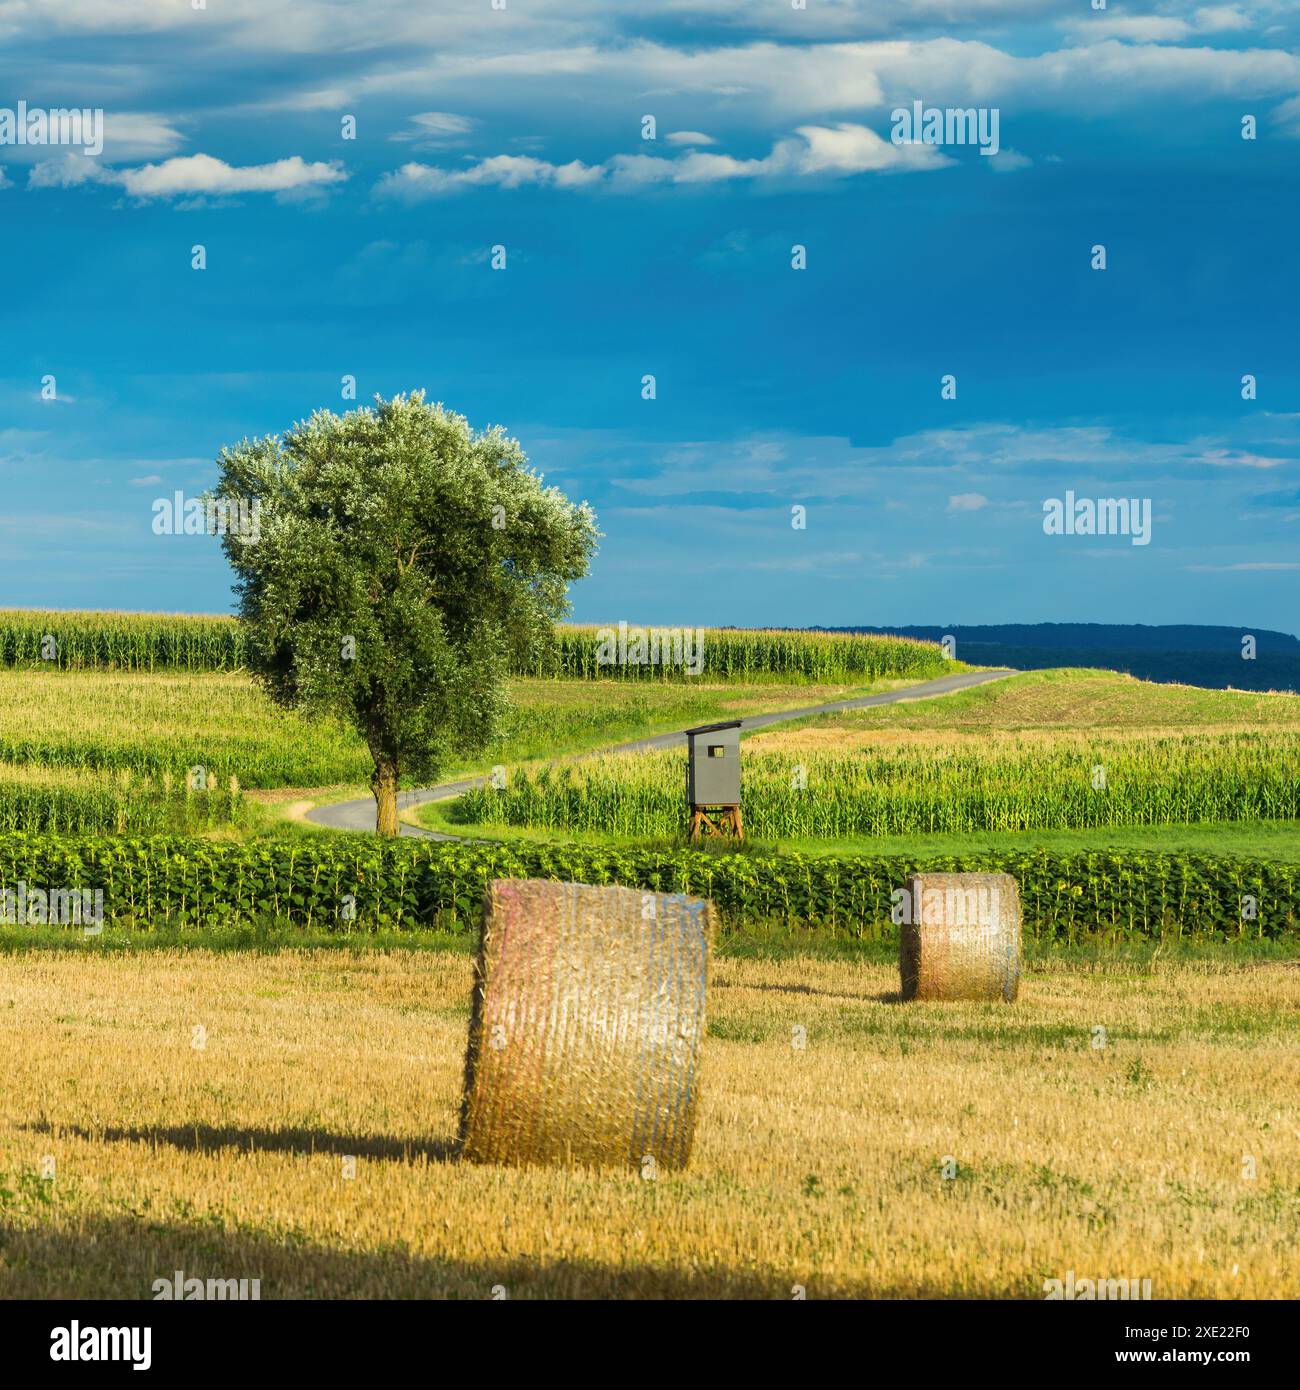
(1183, 653)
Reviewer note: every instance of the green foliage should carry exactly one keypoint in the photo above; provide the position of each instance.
(170, 881)
(956, 787)
(401, 561)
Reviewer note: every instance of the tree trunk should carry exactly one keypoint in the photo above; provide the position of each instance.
(383, 783)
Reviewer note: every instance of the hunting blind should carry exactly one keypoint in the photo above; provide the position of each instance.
(713, 779)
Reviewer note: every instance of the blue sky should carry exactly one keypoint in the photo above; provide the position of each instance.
(776, 387)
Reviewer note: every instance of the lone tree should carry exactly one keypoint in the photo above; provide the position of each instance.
(397, 563)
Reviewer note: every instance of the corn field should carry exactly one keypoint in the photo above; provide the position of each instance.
(75, 722)
(120, 641)
(745, 654)
(36, 800)
(176, 642)
(1068, 783)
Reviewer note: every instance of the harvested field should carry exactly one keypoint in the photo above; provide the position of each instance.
(1169, 1152)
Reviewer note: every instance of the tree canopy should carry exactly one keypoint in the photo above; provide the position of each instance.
(398, 563)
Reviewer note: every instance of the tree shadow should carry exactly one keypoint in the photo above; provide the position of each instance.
(220, 1138)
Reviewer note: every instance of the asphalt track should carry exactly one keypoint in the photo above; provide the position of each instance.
(360, 814)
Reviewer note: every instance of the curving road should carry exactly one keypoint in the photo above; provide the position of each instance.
(360, 815)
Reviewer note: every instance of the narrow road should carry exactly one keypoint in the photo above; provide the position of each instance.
(360, 815)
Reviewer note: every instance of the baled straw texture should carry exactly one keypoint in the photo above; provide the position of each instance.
(588, 1013)
(961, 938)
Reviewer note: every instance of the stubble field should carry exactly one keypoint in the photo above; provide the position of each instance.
(902, 1150)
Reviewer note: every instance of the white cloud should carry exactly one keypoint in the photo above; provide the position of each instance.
(835, 151)
(1215, 18)
(413, 183)
(853, 149)
(139, 135)
(311, 99)
(971, 458)
(1008, 161)
(1289, 115)
(1153, 28)
(127, 135)
(201, 173)
(562, 65)
(65, 172)
(436, 129)
(143, 16)
(967, 502)
(189, 176)
(753, 81)
(1238, 458)
(1142, 28)
(340, 26)
(834, 58)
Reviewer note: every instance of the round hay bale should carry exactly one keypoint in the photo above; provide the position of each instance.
(586, 1023)
(960, 937)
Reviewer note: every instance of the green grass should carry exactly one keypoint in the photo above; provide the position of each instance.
(1249, 839)
(554, 718)
(269, 937)
(1071, 698)
(76, 723)
(769, 942)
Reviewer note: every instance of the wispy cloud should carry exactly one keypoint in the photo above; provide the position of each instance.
(978, 454)
(1246, 565)
(435, 129)
(1009, 162)
(1239, 458)
(1159, 28)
